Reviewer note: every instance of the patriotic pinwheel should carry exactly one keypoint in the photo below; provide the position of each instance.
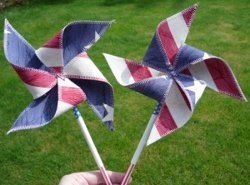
(60, 75)
(175, 74)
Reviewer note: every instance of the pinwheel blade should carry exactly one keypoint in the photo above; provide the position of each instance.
(171, 33)
(218, 76)
(39, 113)
(83, 72)
(18, 51)
(78, 37)
(176, 111)
(43, 110)
(127, 72)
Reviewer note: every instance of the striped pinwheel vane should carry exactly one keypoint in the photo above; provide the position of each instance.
(60, 75)
(175, 74)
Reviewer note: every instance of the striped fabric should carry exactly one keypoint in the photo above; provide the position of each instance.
(174, 73)
(59, 75)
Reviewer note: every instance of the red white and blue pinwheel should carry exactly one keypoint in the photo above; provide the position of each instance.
(60, 75)
(175, 74)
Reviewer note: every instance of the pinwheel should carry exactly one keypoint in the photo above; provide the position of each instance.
(175, 74)
(60, 75)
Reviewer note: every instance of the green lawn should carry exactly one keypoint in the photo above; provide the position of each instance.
(213, 148)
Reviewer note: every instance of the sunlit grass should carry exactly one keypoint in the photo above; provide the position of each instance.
(213, 148)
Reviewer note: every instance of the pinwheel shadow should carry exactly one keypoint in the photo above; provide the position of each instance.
(49, 2)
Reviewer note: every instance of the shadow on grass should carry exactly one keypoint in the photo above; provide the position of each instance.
(48, 2)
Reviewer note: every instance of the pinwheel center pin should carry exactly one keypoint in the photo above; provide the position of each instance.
(172, 74)
(60, 75)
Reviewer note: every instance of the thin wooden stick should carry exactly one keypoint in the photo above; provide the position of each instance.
(141, 145)
(91, 145)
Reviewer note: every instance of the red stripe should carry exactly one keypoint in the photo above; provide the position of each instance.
(83, 55)
(168, 41)
(223, 77)
(57, 69)
(184, 97)
(71, 95)
(186, 72)
(36, 77)
(128, 174)
(188, 14)
(55, 42)
(105, 176)
(139, 72)
(165, 123)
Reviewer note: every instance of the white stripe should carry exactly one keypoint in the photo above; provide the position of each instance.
(97, 36)
(205, 56)
(198, 88)
(61, 105)
(177, 106)
(200, 71)
(6, 31)
(154, 72)
(61, 108)
(178, 28)
(120, 69)
(81, 66)
(154, 136)
(37, 91)
(89, 46)
(51, 57)
(110, 113)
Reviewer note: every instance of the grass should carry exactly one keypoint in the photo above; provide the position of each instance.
(213, 148)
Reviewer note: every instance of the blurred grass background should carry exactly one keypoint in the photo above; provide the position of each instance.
(213, 148)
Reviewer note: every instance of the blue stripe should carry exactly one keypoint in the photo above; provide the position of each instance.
(19, 52)
(78, 35)
(186, 55)
(155, 87)
(154, 57)
(98, 93)
(40, 112)
(187, 81)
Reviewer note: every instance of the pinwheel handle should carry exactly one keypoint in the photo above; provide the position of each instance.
(77, 113)
(157, 108)
(91, 145)
(141, 144)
